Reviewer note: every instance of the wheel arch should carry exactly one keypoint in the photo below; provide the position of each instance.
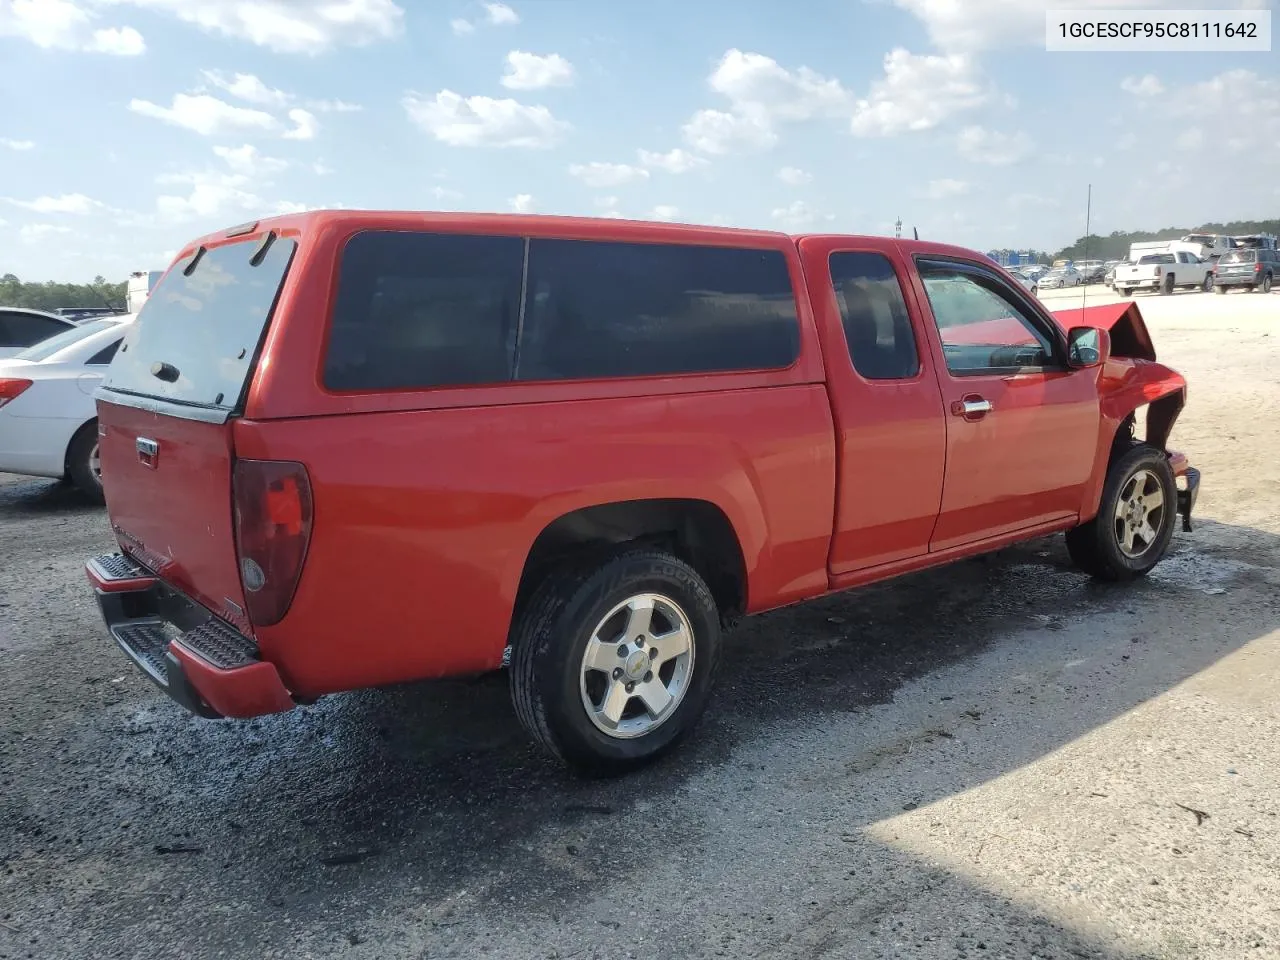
(66, 451)
(698, 531)
(1161, 390)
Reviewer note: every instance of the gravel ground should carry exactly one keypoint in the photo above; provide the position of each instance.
(997, 759)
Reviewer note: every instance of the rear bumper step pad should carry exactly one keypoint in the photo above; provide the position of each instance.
(202, 662)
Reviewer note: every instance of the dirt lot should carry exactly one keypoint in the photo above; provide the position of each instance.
(998, 759)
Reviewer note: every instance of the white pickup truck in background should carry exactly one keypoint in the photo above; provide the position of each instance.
(1164, 272)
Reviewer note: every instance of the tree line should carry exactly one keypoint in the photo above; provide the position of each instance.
(49, 296)
(1115, 246)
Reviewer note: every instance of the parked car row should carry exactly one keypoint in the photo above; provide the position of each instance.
(48, 425)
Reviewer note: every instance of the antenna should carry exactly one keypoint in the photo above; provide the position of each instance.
(915, 233)
(1088, 214)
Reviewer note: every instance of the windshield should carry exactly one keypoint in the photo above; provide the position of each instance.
(197, 336)
(47, 348)
(1240, 256)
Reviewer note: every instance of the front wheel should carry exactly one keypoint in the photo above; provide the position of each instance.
(1134, 524)
(612, 665)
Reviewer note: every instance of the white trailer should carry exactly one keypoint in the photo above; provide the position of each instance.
(140, 284)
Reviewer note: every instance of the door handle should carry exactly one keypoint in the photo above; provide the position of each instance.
(971, 407)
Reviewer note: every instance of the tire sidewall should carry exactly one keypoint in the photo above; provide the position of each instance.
(581, 741)
(1141, 457)
(78, 454)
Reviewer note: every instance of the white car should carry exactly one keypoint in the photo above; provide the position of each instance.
(1027, 283)
(21, 328)
(48, 421)
(1060, 277)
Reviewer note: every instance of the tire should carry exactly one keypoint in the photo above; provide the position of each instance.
(1266, 284)
(1126, 291)
(83, 467)
(552, 681)
(1207, 285)
(1166, 286)
(1097, 547)
(1219, 289)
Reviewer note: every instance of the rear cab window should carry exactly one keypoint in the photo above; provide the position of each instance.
(1239, 256)
(198, 335)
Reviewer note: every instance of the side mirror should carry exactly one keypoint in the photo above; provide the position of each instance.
(1087, 347)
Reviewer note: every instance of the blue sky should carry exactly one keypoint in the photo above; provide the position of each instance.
(130, 126)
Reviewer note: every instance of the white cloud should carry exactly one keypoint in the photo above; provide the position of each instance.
(462, 27)
(717, 132)
(66, 25)
(673, 161)
(917, 92)
(990, 146)
(34, 232)
(118, 41)
(206, 115)
(794, 176)
(483, 121)
(664, 211)
(285, 26)
(754, 82)
(445, 193)
(321, 169)
(598, 174)
(762, 94)
(74, 203)
(1238, 110)
(249, 161)
(1190, 139)
(944, 188)
(1146, 86)
(608, 207)
(799, 214)
(528, 71)
(305, 125)
(248, 87)
(334, 106)
(500, 14)
(213, 196)
(9, 144)
(521, 203)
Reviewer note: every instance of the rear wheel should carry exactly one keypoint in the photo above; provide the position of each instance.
(612, 664)
(1166, 287)
(1134, 524)
(1126, 291)
(1219, 288)
(1208, 283)
(84, 462)
(1266, 284)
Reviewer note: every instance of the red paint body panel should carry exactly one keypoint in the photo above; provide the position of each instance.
(250, 691)
(890, 434)
(428, 502)
(426, 552)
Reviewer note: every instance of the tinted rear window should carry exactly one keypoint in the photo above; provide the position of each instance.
(1157, 258)
(1239, 256)
(25, 329)
(639, 309)
(424, 310)
(47, 348)
(203, 329)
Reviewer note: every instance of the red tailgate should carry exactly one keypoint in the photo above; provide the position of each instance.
(168, 486)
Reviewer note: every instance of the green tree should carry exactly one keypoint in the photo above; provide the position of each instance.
(50, 295)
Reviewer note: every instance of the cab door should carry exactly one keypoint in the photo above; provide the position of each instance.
(1022, 427)
(885, 402)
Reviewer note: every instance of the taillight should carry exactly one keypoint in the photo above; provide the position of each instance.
(1257, 268)
(11, 389)
(273, 511)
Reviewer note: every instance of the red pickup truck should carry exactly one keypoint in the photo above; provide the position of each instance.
(345, 449)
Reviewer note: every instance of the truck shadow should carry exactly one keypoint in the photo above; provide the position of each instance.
(386, 804)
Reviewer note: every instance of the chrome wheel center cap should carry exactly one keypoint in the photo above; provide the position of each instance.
(637, 665)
